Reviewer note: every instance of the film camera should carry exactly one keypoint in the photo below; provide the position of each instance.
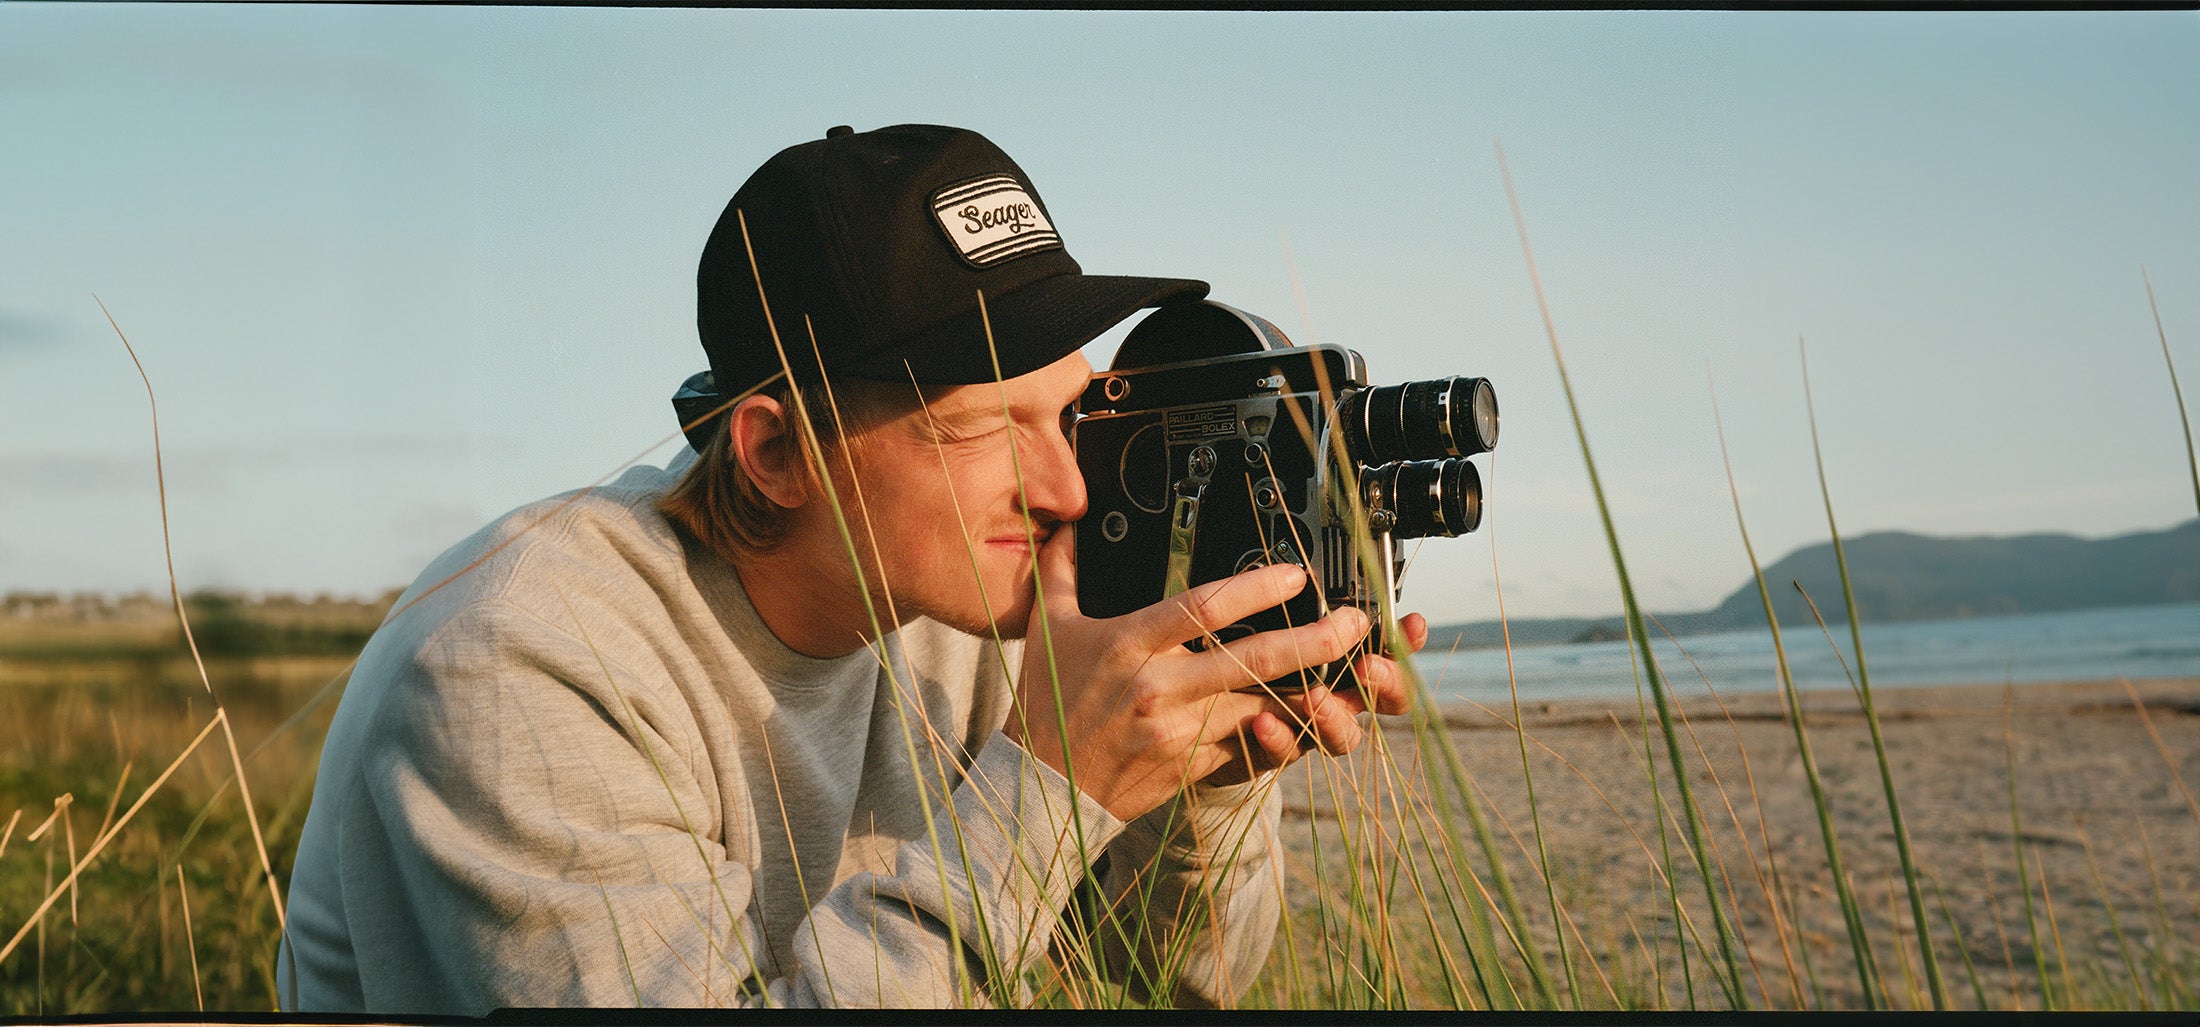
(1212, 445)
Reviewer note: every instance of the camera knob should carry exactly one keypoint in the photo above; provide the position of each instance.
(1114, 526)
(1267, 494)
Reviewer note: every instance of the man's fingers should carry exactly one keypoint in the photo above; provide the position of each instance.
(1337, 722)
(1317, 720)
(1273, 654)
(1382, 684)
(1216, 604)
(1382, 680)
(1278, 741)
(1327, 720)
(1225, 715)
(1265, 742)
(1416, 629)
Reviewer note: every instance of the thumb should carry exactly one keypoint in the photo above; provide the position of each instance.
(1056, 568)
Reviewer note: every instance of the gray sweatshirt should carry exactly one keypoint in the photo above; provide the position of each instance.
(583, 772)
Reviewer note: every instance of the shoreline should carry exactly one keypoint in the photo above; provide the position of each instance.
(2165, 695)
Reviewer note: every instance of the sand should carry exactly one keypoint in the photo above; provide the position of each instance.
(2106, 824)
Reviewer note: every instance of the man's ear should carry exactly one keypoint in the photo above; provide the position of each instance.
(762, 438)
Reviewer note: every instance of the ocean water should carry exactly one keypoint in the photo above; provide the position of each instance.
(2135, 642)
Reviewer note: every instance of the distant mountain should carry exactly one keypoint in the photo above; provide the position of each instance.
(1900, 576)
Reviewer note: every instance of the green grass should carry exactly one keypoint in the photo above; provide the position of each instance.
(121, 944)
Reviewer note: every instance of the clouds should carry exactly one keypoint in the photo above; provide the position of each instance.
(226, 466)
(24, 475)
(349, 512)
(23, 331)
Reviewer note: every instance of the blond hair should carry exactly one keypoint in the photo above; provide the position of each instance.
(718, 503)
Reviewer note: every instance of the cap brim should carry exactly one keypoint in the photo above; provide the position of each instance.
(1031, 327)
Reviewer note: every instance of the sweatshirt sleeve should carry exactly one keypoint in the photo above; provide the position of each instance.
(1193, 895)
(534, 827)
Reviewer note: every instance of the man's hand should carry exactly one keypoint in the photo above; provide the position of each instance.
(1322, 718)
(1132, 717)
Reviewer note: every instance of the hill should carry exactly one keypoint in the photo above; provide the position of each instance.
(1901, 576)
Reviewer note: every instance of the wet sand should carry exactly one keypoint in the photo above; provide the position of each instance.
(2105, 823)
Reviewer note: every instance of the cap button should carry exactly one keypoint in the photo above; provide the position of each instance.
(837, 131)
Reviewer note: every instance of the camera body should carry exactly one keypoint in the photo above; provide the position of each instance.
(1212, 445)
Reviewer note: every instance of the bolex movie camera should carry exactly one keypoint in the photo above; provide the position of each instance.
(1212, 445)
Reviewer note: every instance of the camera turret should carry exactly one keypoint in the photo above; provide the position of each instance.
(1212, 445)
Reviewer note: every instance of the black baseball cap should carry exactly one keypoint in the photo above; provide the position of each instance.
(884, 240)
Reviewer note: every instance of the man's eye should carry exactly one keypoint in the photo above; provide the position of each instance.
(1069, 419)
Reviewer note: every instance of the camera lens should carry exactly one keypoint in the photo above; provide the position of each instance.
(1426, 497)
(1474, 408)
(1424, 420)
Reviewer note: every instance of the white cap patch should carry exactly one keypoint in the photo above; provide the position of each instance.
(991, 219)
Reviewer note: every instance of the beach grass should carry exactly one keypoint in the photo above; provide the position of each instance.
(1787, 849)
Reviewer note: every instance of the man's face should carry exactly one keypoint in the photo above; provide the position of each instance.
(954, 530)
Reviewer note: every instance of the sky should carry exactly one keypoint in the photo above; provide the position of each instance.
(394, 271)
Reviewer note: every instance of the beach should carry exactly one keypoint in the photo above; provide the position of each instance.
(2095, 789)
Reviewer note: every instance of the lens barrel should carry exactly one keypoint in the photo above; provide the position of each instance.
(1425, 497)
(1423, 420)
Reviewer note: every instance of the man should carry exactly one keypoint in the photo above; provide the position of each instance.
(757, 728)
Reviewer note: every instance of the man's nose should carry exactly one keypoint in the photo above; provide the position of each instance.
(1054, 489)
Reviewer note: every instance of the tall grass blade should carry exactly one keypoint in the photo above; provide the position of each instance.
(2159, 746)
(1407, 869)
(2001, 932)
(1421, 816)
(1901, 951)
(1775, 895)
(1871, 716)
(244, 788)
(2192, 462)
(990, 959)
(2108, 907)
(190, 938)
(68, 835)
(2054, 931)
(2166, 955)
(1442, 764)
(1851, 913)
(901, 694)
(1810, 969)
(115, 799)
(2016, 838)
(40, 920)
(1511, 916)
(618, 937)
(1731, 983)
(1527, 774)
(1718, 788)
(1658, 813)
(1970, 969)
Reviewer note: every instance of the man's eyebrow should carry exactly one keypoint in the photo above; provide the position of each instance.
(957, 421)
(965, 416)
